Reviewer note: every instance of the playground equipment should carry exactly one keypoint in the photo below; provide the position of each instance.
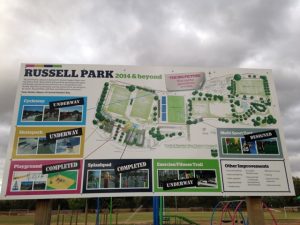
(232, 212)
(175, 219)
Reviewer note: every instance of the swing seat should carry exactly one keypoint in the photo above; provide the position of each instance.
(229, 221)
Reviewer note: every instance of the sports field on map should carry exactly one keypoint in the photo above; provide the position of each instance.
(250, 87)
(65, 180)
(119, 100)
(142, 105)
(176, 112)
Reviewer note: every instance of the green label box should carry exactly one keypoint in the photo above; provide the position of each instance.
(206, 172)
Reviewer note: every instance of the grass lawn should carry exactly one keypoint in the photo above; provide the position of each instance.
(119, 100)
(142, 105)
(250, 87)
(201, 217)
(176, 112)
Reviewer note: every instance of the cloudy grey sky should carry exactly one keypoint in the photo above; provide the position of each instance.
(253, 34)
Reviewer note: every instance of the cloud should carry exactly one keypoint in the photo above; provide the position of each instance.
(254, 34)
(294, 163)
(209, 34)
(4, 131)
(2, 163)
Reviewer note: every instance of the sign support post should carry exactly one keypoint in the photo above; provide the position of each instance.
(86, 212)
(43, 212)
(110, 210)
(161, 210)
(98, 212)
(255, 210)
(156, 210)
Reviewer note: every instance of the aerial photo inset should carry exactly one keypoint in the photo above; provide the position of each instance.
(26, 185)
(46, 146)
(109, 179)
(231, 145)
(186, 174)
(51, 114)
(28, 180)
(93, 179)
(166, 175)
(248, 147)
(27, 146)
(39, 185)
(206, 178)
(70, 145)
(32, 113)
(135, 179)
(71, 113)
(64, 180)
(267, 146)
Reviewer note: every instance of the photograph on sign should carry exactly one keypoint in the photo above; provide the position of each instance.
(28, 178)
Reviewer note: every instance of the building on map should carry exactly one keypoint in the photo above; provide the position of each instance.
(135, 137)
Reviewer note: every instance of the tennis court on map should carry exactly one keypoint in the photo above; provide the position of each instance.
(176, 111)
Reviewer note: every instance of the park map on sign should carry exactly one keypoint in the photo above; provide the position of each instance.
(142, 117)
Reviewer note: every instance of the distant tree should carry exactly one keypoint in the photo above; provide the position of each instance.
(131, 88)
(237, 77)
(76, 203)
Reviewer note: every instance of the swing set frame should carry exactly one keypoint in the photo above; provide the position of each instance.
(234, 209)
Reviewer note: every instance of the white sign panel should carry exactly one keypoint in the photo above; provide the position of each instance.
(95, 130)
(254, 176)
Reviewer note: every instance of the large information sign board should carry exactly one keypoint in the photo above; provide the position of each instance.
(94, 130)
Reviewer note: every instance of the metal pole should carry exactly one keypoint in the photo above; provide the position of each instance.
(58, 213)
(155, 204)
(98, 211)
(106, 215)
(161, 210)
(110, 212)
(117, 214)
(285, 215)
(86, 211)
(71, 220)
(76, 220)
